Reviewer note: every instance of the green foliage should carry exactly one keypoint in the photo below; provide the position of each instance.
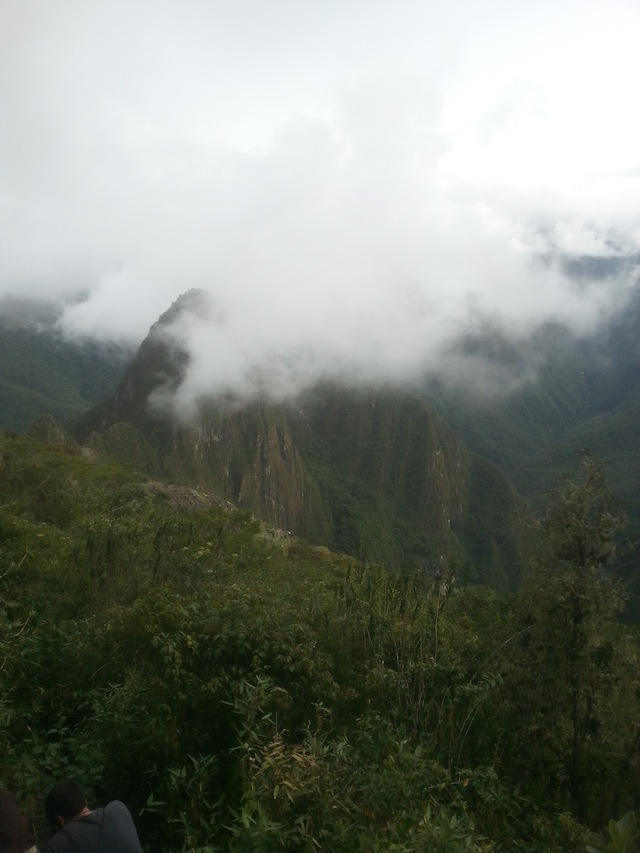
(573, 678)
(377, 475)
(624, 836)
(581, 522)
(42, 374)
(243, 691)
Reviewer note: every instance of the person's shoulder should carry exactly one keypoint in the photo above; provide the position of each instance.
(117, 811)
(120, 830)
(116, 806)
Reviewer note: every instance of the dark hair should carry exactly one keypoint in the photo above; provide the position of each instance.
(13, 826)
(64, 800)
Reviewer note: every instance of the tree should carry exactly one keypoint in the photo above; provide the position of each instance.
(582, 521)
(569, 674)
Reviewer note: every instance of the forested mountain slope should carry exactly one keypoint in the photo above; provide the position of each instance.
(42, 374)
(297, 465)
(242, 691)
(583, 394)
(373, 473)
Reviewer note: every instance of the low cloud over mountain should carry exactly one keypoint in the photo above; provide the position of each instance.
(357, 192)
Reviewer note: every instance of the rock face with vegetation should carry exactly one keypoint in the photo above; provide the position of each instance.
(376, 474)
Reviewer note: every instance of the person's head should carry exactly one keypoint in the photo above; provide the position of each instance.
(13, 826)
(64, 801)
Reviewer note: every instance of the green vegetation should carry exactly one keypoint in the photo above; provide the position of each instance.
(243, 691)
(374, 474)
(623, 834)
(42, 374)
(575, 393)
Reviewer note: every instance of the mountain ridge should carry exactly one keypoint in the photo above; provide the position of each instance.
(585, 395)
(374, 473)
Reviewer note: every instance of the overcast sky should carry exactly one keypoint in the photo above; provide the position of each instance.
(356, 183)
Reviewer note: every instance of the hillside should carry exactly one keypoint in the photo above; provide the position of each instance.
(352, 470)
(42, 374)
(242, 691)
(376, 474)
(585, 394)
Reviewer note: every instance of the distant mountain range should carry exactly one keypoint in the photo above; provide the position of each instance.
(433, 478)
(585, 396)
(43, 374)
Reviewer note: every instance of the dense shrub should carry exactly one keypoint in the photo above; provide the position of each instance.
(245, 692)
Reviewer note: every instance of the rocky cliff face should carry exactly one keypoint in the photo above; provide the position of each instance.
(373, 473)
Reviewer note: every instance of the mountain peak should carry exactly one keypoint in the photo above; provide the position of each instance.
(194, 301)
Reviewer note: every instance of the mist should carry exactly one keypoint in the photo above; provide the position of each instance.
(357, 189)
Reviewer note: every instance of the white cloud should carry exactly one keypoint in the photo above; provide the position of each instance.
(355, 183)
